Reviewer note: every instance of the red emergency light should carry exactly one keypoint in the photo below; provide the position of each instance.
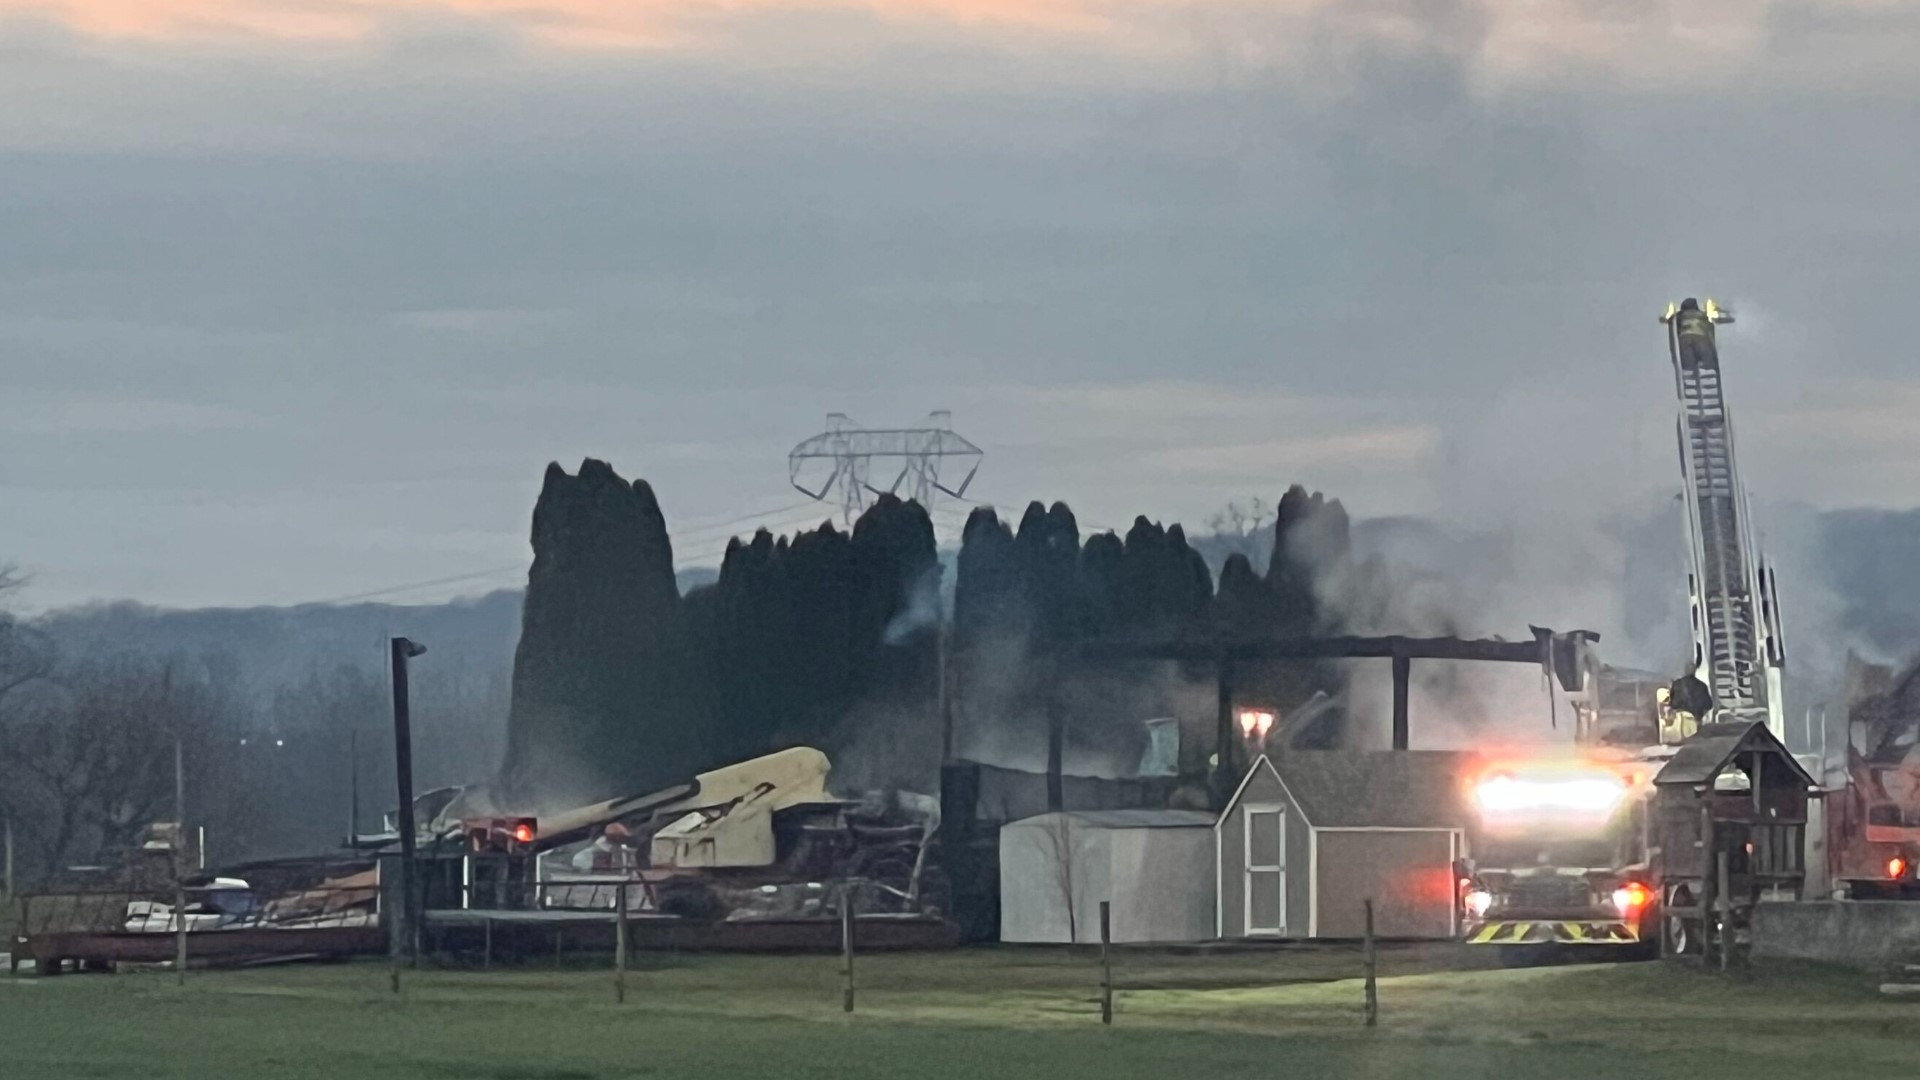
(1896, 867)
(501, 834)
(1631, 897)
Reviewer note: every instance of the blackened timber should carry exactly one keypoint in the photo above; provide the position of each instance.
(1402, 689)
(1333, 648)
(1401, 650)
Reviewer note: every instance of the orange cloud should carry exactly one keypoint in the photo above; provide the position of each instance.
(1501, 43)
(585, 23)
(173, 18)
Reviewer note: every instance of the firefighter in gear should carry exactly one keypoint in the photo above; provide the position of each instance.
(611, 852)
(1693, 330)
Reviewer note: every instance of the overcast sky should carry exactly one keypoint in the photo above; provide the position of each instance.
(298, 297)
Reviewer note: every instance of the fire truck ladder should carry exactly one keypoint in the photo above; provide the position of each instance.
(1735, 623)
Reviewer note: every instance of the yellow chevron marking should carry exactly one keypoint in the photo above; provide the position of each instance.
(1575, 931)
(1486, 933)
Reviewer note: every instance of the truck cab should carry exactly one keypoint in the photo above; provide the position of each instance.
(1559, 855)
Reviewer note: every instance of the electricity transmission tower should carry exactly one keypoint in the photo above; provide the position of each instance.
(837, 464)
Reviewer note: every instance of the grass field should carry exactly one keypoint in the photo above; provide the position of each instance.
(985, 1013)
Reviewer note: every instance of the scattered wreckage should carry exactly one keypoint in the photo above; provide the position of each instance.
(758, 854)
(763, 838)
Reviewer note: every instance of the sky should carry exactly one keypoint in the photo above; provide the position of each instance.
(299, 297)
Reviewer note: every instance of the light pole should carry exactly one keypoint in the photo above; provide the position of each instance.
(179, 859)
(404, 937)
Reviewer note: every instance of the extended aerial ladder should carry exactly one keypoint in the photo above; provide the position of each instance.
(1737, 647)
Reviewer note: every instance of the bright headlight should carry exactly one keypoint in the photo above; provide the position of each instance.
(1584, 794)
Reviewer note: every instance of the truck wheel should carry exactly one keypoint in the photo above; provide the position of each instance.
(1680, 936)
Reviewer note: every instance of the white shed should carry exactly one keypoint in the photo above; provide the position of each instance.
(1155, 866)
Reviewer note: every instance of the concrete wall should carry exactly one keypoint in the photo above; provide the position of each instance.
(1856, 933)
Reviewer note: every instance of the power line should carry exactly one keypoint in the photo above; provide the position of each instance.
(671, 535)
(409, 587)
(775, 520)
(493, 571)
(704, 522)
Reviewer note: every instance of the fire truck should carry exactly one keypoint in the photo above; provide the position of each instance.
(1597, 848)
(1560, 853)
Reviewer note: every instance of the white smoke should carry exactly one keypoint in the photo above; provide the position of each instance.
(920, 611)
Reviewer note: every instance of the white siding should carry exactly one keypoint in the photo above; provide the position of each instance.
(1158, 879)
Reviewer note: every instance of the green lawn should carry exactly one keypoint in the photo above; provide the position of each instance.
(985, 1013)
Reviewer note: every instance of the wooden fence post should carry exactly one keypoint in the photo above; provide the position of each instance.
(846, 944)
(1726, 909)
(179, 932)
(1106, 962)
(1372, 969)
(620, 949)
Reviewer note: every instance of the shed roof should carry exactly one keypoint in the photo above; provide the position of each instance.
(1703, 755)
(1405, 789)
(1131, 819)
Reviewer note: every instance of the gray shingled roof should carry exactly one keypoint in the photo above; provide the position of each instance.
(1377, 788)
(1703, 755)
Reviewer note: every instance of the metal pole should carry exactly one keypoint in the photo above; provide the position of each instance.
(407, 933)
(10, 890)
(846, 944)
(353, 785)
(1106, 963)
(179, 862)
(179, 799)
(620, 949)
(1371, 961)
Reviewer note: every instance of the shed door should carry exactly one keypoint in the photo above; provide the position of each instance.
(1264, 827)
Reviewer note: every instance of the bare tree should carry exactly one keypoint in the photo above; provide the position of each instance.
(1060, 848)
(88, 758)
(1239, 524)
(24, 653)
(24, 658)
